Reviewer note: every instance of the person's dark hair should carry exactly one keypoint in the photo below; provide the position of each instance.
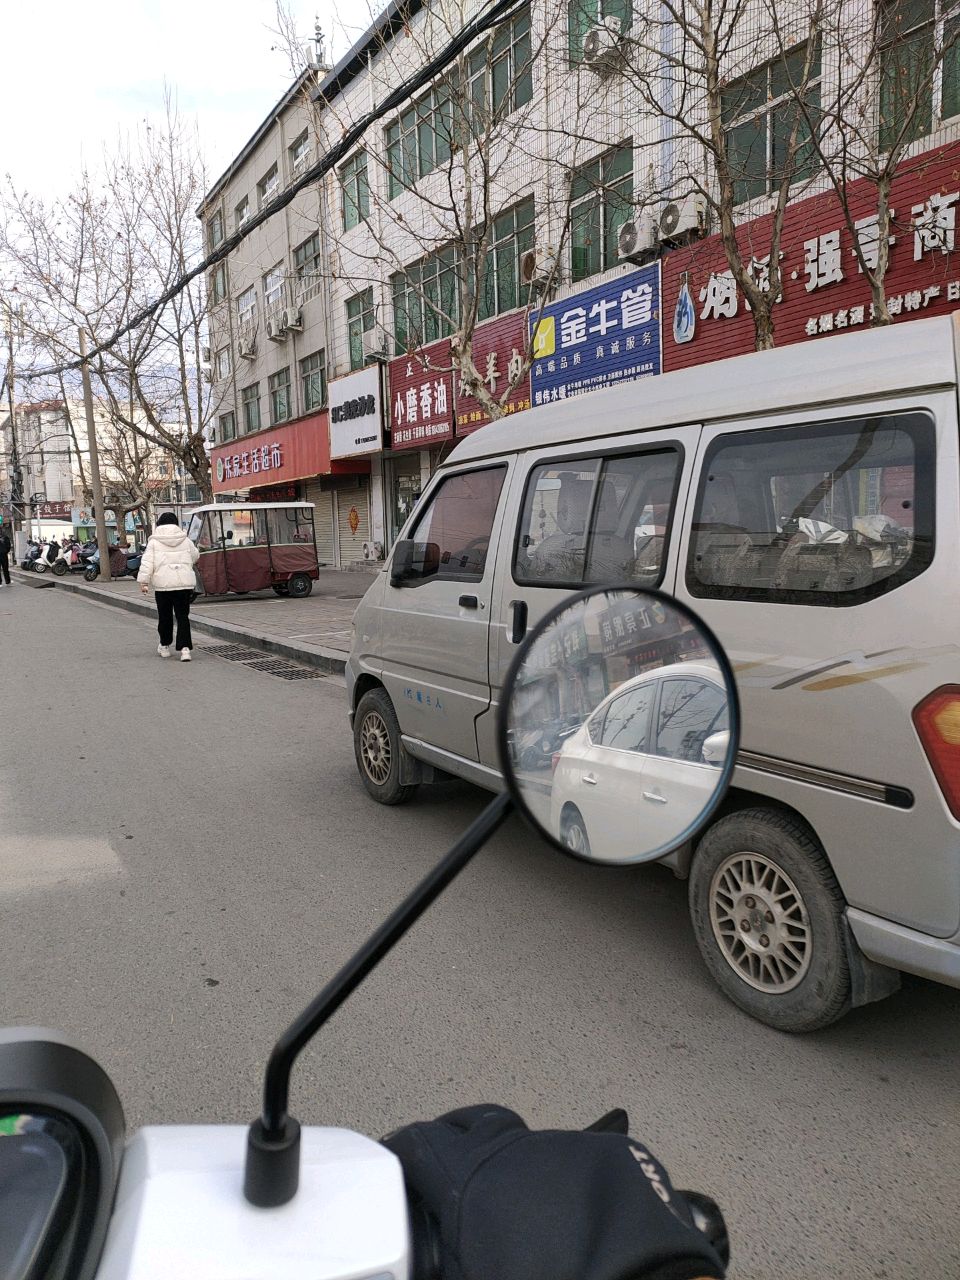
(168, 517)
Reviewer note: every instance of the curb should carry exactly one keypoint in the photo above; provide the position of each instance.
(332, 661)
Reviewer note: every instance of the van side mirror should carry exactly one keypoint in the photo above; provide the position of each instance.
(413, 561)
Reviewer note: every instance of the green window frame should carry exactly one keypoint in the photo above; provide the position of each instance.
(511, 236)
(919, 68)
(215, 230)
(306, 265)
(299, 151)
(601, 201)
(355, 186)
(250, 407)
(313, 380)
(582, 15)
(278, 385)
(758, 112)
(218, 283)
(420, 140)
(241, 213)
(426, 301)
(361, 318)
(499, 73)
(228, 426)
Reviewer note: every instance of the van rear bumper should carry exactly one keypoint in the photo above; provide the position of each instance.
(906, 949)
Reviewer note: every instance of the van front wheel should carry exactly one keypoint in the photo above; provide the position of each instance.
(768, 918)
(378, 749)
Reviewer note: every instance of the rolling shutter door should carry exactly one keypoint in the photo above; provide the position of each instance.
(353, 497)
(323, 519)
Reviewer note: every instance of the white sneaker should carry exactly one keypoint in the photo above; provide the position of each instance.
(164, 650)
(185, 655)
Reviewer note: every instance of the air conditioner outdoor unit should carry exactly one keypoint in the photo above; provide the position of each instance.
(635, 238)
(602, 46)
(204, 355)
(373, 551)
(677, 217)
(291, 318)
(275, 327)
(375, 343)
(538, 266)
(247, 346)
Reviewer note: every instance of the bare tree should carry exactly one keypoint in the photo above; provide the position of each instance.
(91, 260)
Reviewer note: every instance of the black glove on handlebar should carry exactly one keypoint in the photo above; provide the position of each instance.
(504, 1203)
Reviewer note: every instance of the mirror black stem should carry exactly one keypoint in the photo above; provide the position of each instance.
(272, 1171)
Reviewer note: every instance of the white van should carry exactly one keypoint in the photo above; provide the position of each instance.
(806, 503)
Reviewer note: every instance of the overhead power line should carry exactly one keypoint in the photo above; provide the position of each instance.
(500, 11)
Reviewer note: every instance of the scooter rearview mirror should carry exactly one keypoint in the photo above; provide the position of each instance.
(619, 725)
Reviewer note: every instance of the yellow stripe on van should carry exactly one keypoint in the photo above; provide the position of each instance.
(860, 677)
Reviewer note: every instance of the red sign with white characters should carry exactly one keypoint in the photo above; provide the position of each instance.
(824, 290)
(421, 397)
(498, 349)
(294, 452)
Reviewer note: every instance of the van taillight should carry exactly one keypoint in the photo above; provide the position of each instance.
(937, 720)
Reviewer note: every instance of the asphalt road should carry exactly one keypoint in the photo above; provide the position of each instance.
(186, 854)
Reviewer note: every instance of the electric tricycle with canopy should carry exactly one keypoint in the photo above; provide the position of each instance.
(248, 546)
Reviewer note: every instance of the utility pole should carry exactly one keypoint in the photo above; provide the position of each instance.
(102, 544)
(17, 487)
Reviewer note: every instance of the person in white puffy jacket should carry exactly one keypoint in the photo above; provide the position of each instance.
(167, 566)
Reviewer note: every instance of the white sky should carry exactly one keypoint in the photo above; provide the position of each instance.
(75, 76)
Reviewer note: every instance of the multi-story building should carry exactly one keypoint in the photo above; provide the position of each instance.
(532, 203)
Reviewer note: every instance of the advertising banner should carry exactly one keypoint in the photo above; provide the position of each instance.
(294, 452)
(598, 338)
(421, 397)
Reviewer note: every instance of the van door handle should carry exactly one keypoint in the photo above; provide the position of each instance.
(518, 625)
(590, 779)
(468, 602)
(652, 796)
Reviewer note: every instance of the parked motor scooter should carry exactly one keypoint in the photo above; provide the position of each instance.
(471, 1194)
(70, 559)
(47, 557)
(121, 564)
(32, 551)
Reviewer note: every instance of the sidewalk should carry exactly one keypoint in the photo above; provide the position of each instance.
(316, 631)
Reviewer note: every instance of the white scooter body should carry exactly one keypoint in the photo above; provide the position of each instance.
(180, 1213)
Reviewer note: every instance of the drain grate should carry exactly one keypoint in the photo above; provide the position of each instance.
(260, 662)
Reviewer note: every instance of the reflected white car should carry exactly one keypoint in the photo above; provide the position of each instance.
(642, 768)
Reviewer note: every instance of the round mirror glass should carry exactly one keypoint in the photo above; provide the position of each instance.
(619, 725)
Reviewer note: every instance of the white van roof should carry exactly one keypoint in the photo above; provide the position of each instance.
(895, 359)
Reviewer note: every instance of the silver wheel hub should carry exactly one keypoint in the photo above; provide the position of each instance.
(760, 923)
(375, 747)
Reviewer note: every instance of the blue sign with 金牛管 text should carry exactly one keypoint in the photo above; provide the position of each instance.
(594, 339)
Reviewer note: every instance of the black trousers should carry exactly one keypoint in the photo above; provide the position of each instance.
(170, 603)
(5, 567)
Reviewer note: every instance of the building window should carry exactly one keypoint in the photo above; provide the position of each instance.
(191, 492)
(582, 15)
(306, 264)
(601, 201)
(279, 386)
(228, 426)
(299, 153)
(218, 283)
(360, 320)
(241, 213)
(759, 112)
(273, 287)
(250, 405)
(511, 238)
(247, 306)
(268, 186)
(426, 303)
(912, 32)
(419, 141)
(313, 381)
(215, 230)
(222, 365)
(500, 72)
(356, 190)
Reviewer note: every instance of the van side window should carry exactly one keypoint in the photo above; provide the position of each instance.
(690, 710)
(459, 520)
(598, 519)
(826, 514)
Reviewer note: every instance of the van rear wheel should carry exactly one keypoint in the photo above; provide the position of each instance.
(378, 749)
(767, 913)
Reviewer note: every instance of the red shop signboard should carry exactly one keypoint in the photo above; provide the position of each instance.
(294, 452)
(420, 387)
(498, 349)
(824, 290)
